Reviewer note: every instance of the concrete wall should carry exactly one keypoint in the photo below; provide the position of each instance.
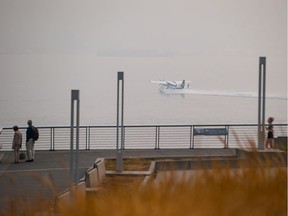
(87, 186)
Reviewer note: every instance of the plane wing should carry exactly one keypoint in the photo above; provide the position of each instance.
(160, 82)
(163, 82)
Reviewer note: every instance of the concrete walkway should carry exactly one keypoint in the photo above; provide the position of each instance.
(49, 173)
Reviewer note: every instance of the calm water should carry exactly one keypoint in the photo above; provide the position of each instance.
(223, 89)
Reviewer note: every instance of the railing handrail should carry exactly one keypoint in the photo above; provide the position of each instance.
(153, 125)
(140, 136)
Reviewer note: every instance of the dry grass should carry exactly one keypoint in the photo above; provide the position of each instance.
(256, 190)
(253, 191)
(130, 164)
(112, 182)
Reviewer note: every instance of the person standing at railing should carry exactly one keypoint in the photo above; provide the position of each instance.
(270, 135)
(30, 142)
(17, 143)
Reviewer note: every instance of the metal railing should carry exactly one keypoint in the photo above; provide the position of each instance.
(143, 137)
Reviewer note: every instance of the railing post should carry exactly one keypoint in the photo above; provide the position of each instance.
(156, 135)
(157, 138)
(51, 139)
(123, 137)
(87, 138)
(227, 136)
(191, 136)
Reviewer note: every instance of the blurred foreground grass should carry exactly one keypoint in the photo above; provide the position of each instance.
(258, 189)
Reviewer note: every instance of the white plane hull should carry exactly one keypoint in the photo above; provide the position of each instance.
(174, 91)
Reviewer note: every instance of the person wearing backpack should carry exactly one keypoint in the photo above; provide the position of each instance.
(30, 141)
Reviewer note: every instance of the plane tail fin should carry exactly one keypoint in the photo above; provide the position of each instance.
(183, 84)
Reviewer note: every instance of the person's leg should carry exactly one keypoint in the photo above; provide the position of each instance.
(266, 143)
(29, 149)
(272, 143)
(17, 155)
(32, 150)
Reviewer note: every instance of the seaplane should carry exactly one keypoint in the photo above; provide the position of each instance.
(172, 84)
(172, 87)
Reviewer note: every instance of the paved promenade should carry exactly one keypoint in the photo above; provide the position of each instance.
(49, 174)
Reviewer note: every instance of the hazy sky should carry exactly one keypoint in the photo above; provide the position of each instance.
(67, 44)
(146, 28)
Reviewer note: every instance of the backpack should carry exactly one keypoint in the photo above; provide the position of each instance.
(35, 133)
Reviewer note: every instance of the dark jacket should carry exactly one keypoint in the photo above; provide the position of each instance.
(29, 133)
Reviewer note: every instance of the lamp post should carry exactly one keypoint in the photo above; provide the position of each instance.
(261, 102)
(74, 154)
(120, 81)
